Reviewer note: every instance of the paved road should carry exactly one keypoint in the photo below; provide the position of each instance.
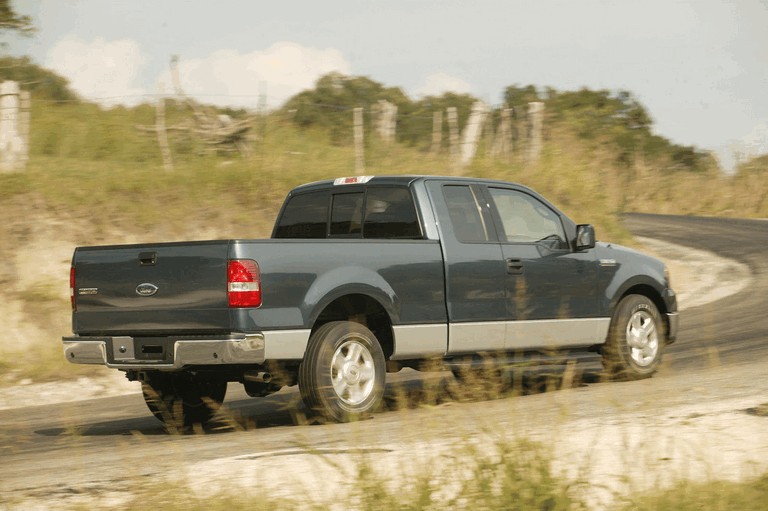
(735, 328)
(102, 445)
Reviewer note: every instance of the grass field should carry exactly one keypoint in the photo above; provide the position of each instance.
(93, 178)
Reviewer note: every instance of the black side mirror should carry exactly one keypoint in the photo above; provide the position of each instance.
(585, 237)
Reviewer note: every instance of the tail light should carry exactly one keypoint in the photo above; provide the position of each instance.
(243, 283)
(72, 288)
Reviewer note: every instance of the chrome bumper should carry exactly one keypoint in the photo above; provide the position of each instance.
(117, 352)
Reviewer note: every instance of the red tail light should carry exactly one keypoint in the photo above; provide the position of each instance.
(72, 287)
(243, 283)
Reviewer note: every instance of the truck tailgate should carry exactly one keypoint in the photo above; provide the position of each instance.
(152, 289)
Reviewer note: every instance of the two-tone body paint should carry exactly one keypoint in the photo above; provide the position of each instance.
(442, 297)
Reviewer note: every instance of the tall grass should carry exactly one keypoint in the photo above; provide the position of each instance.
(95, 178)
(510, 474)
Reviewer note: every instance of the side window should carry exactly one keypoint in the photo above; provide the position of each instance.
(347, 214)
(305, 216)
(390, 213)
(466, 219)
(527, 220)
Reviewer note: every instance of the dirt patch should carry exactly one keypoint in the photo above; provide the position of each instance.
(698, 277)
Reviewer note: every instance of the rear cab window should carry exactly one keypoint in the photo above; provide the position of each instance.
(305, 216)
(377, 212)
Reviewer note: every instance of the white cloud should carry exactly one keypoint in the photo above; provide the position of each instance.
(106, 72)
(230, 78)
(438, 83)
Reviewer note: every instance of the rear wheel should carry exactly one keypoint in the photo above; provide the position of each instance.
(635, 340)
(182, 399)
(343, 372)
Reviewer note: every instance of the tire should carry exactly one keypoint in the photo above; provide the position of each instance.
(635, 340)
(181, 400)
(343, 373)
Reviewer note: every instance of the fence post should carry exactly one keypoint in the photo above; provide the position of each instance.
(162, 134)
(453, 134)
(536, 124)
(357, 118)
(437, 131)
(13, 147)
(387, 121)
(503, 139)
(472, 132)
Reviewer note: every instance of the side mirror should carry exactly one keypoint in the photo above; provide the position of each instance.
(585, 237)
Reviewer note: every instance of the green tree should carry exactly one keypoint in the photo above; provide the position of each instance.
(518, 96)
(10, 21)
(415, 123)
(42, 83)
(329, 105)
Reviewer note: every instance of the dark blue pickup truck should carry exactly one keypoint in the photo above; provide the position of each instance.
(362, 276)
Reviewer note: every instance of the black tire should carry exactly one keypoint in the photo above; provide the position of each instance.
(636, 339)
(181, 400)
(343, 373)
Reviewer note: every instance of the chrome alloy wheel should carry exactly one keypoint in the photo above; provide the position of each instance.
(353, 372)
(642, 338)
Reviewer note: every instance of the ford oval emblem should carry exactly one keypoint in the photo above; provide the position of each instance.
(146, 289)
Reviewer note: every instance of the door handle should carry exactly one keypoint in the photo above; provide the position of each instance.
(514, 267)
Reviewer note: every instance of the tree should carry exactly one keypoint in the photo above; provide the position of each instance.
(41, 82)
(415, 124)
(329, 105)
(10, 21)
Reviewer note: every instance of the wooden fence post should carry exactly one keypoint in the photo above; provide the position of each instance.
(437, 131)
(503, 139)
(453, 134)
(13, 146)
(162, 134)
(536, 125)
(387, 121)
(472, 132)
(357, 118)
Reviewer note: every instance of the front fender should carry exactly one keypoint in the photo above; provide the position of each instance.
(623, 270)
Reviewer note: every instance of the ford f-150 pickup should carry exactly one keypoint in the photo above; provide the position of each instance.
(361, 276)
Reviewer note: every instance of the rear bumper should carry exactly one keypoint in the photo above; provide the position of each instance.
(122, 352)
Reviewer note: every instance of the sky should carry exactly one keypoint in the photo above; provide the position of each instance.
(700, 67)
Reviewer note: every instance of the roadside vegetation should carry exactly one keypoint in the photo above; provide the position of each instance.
(508, 475)
(96, 176)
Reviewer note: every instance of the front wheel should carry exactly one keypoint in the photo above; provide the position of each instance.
(182, 399)
(635, 339)
(343, 373)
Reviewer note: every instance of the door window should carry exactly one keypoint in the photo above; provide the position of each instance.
(525, 219)
(467, 220)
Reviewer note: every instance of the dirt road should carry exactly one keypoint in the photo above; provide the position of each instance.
(701, 416)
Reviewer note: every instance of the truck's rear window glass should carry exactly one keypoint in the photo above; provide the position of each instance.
(347, 214)
(379, 213)
(468, 224)
(305, 216)
(390, 214)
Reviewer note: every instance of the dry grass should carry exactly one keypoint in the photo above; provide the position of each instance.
(81, 189)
